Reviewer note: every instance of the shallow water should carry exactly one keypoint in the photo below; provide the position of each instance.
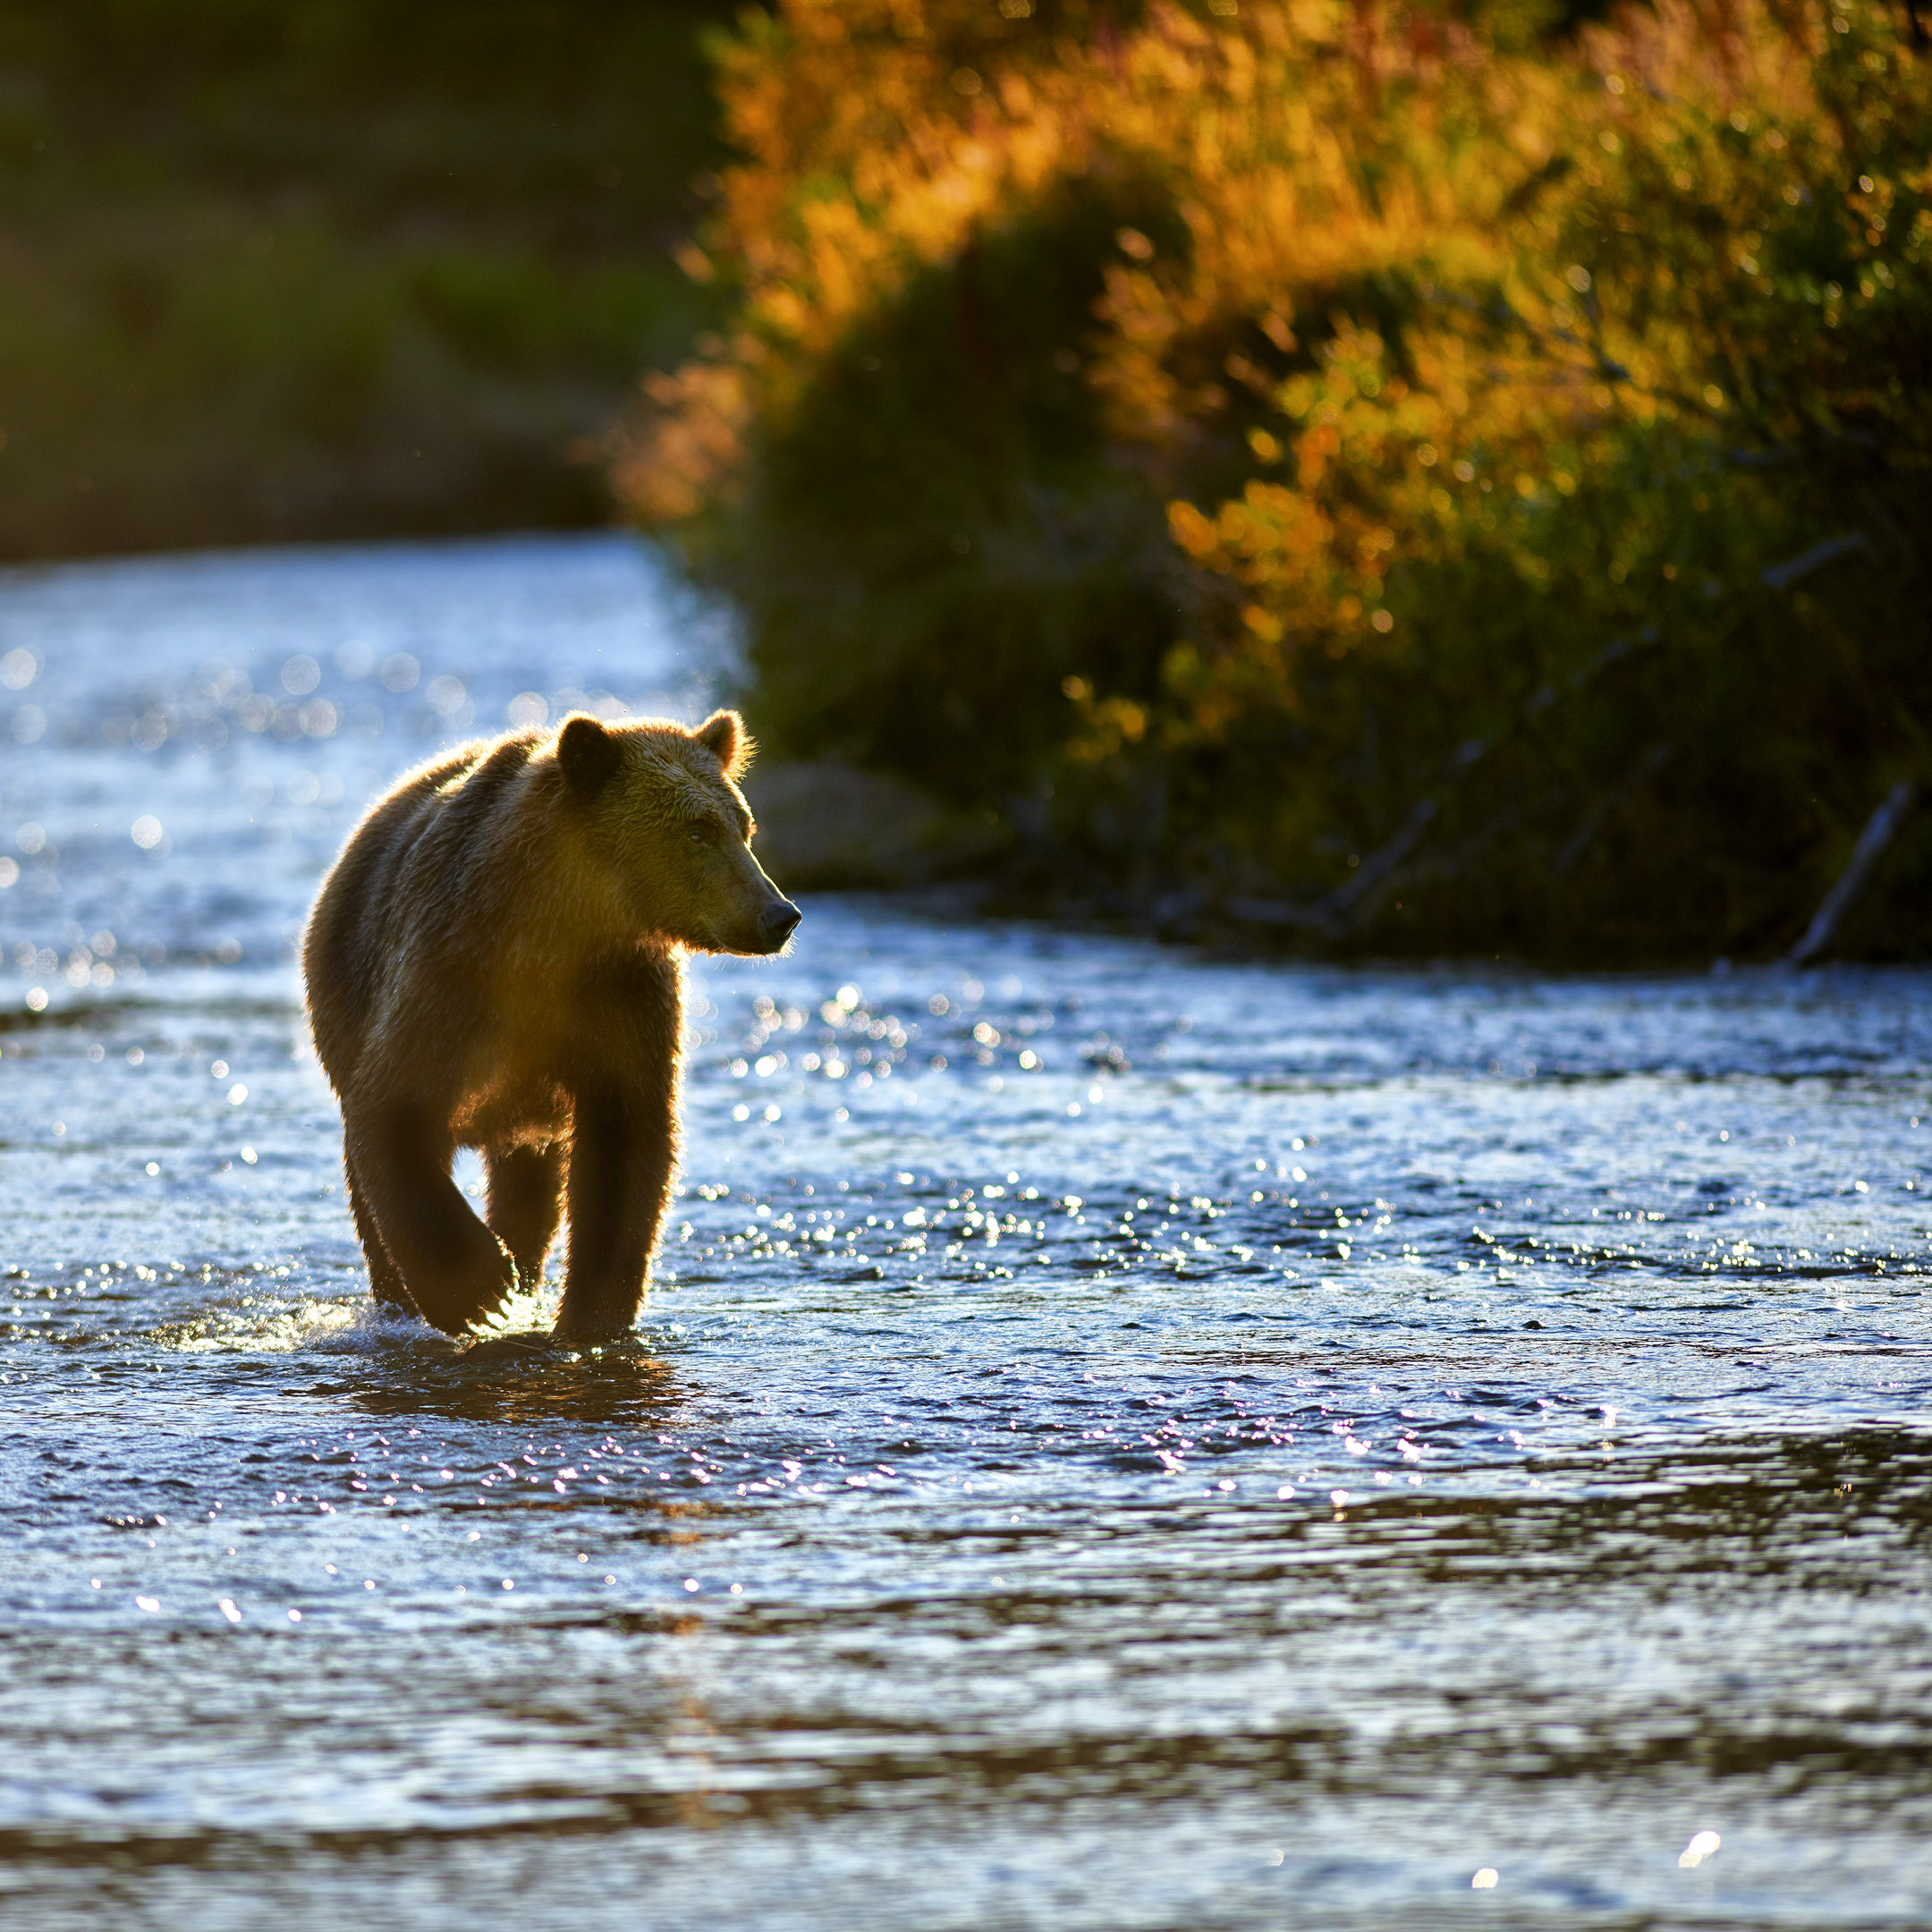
(1119, 1440)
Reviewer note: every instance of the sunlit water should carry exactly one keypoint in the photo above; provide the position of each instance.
(1120, 1439)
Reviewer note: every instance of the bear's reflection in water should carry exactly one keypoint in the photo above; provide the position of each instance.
(527, 1378)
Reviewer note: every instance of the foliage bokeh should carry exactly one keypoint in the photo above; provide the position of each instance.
(300, 269)
(1404, 476)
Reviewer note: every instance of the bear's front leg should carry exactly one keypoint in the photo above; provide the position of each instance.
(385, 1286)
(622, 1151)
(453, 1268)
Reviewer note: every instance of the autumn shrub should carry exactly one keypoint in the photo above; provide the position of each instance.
(1403, 478)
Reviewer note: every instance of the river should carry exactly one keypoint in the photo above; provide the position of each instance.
(1119, 1439)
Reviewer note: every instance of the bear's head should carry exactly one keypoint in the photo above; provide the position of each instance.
(664, 823)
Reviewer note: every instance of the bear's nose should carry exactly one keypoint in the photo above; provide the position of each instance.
(776, 923)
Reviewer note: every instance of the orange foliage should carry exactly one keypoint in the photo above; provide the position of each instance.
(1452, 356)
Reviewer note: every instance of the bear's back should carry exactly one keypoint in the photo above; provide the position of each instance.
(420, 879)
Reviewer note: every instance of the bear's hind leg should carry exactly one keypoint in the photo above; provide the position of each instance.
(526, 1203)
(385, 1286)
(453, 1267)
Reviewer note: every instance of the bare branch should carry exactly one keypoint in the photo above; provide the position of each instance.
(1873, 840)
(1783, 576)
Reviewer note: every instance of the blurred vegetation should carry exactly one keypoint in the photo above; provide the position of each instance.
(1401, 477)
(279, 268)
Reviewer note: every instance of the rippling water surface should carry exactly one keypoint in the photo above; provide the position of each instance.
(1120, 1439)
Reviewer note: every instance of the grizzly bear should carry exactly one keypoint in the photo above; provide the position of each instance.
(494, 962)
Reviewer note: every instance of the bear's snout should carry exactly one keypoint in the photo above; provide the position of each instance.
(777, 922)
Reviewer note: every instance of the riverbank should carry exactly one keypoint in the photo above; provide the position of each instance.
(825, 826)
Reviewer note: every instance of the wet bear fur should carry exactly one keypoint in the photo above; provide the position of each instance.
(494, 962)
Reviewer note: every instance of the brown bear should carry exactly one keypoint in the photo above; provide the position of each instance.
(494, 962)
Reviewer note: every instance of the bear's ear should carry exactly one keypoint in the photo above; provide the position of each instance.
(723, 735)
(588, 755)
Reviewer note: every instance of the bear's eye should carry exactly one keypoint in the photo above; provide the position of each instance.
(700, 834)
